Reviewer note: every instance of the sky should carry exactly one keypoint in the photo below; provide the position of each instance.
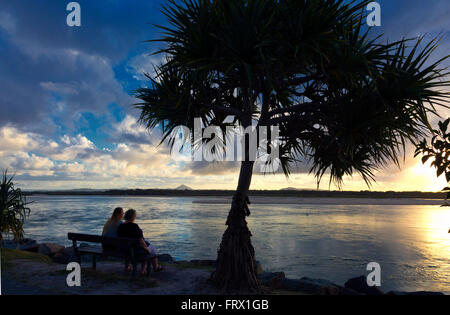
(66, 114)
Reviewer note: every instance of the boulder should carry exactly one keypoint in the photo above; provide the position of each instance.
(359, 284)
(312, 286)
(425, 293)
(64, 257)
(166, 258)
(31, 246)
(347, 291)
(50, 249)
(273, 280)
(25, 244)
(414, 293)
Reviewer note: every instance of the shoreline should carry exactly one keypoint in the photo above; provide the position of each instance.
(253, 193)
(326, 201)
(277, 200)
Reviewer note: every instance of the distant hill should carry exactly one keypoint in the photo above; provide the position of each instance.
(183, 187)
(184, 191)
(297, 189)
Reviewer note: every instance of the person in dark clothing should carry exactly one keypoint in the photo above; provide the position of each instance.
(129, 229)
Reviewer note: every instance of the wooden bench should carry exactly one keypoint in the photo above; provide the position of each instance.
(127, 249)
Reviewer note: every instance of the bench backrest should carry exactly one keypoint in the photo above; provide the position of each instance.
(118, 241)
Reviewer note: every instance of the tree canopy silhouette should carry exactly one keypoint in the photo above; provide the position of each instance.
(342, 99)
(439, 151)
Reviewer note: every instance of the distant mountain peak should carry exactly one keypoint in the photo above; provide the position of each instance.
(183, 187)
(299, 189)
(289, 188)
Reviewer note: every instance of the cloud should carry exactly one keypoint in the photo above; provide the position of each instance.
(35, 158)
(130, 131)
(144, 63)
(51, 72)
(7, 22)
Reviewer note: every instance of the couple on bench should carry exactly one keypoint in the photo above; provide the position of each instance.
(114, 227)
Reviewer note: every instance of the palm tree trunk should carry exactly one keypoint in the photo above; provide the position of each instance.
(236, 267)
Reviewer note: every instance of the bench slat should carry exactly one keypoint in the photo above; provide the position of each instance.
(119, 241)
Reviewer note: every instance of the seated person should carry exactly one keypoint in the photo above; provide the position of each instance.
(111, 226)
(129, 229)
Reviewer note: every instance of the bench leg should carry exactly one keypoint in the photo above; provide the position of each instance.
(94, 262)
(134, 270)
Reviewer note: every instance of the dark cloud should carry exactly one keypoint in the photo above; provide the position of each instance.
(50, 72)
(109, 28)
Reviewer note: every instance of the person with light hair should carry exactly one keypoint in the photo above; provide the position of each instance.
(111, 226)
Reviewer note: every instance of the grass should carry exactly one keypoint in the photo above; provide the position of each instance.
(9, 255)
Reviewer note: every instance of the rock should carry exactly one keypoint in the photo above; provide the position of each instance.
(31, 246)
(396, 293)
(347, 291)
(50, 249)
(166, 258)
(360, 285)
(312, 286)
(26, 244)
(425, 293)
(414, 293)
(274, 280)
(64, 257)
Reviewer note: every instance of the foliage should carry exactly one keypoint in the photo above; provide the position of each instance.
(13, 208)
(439, 151)
(343, 100)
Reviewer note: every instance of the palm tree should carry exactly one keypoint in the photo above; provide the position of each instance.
(13, 208)
(343, 100)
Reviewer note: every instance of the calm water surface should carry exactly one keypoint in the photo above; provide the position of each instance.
(411, 243)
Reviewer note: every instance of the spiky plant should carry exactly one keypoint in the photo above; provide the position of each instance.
(346, 101)
(13, 208)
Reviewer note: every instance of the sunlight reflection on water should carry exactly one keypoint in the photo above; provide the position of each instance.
(334, 242)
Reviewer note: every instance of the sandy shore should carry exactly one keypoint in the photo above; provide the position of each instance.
(325, 201)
